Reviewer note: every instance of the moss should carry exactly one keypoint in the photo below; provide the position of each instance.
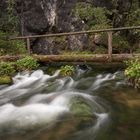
(83, 112)
(76, 52)
(80, 108)
(5, 80)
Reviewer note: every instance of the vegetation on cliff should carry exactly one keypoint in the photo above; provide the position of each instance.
(94, 17)
(9, 27)
(117, 16)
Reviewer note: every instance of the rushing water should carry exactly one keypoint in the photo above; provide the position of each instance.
(39, 107)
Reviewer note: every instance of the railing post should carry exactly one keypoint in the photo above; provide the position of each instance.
(110, 45)
(28, 46)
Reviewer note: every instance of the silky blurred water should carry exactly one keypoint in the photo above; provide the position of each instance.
(37, 107)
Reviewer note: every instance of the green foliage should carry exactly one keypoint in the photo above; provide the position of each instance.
(84, 11)
(133, 17)
(101, 19)
(9, 26)
(133, 69)
(133, 72)
(67, 70)
(94, 17)
(120, 44)
(8, 20)
(9, 68)
(27, 63)
(6, 68)
(12, 47)
(100, 50)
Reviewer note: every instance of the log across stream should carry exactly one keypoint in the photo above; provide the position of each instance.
(99, 58)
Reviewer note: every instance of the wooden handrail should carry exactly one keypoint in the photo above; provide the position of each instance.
(109, 32)
(77, 33)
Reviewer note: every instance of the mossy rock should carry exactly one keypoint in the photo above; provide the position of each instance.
(5, 80)
(80, 108)
(83, 112)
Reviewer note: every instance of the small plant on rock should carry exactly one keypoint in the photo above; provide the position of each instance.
(67, 70)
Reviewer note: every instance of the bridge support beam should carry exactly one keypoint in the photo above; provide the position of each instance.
(28, 45)
(110, 45)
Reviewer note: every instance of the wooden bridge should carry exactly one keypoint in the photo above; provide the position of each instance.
(109, 57)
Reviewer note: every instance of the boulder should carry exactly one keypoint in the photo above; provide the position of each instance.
(82, 112)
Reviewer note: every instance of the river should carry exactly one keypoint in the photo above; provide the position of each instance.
(92, 104)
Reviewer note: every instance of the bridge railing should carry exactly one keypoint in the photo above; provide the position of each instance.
(108, 31)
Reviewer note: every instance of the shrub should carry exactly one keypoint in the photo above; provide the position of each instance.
(94, 17)
(9, 21)
(27, 63)
(120, 44)
(133, 69)
(6, 69)
(67, 70)
(132, 72)
(12, 47)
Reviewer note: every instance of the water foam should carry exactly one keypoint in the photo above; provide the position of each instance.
(41, 108)
(29, 116)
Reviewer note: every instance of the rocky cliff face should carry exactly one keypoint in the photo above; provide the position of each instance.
(49, 16)
(54, 16)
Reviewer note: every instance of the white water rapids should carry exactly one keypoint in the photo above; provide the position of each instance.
(44, 99)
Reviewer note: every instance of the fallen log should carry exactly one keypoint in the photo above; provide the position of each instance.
(9, 58)
(99, 58)
(94, 58)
